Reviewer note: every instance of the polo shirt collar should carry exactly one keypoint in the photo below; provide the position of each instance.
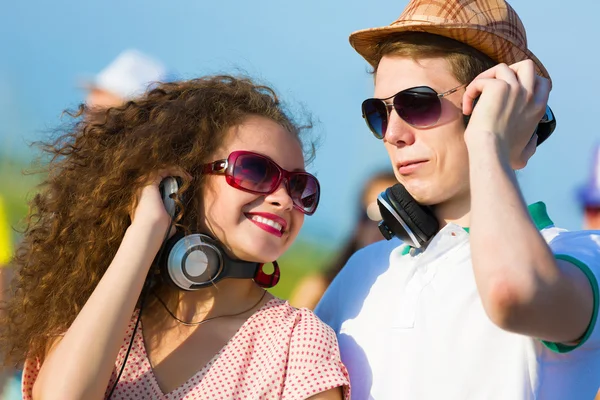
(451, 234)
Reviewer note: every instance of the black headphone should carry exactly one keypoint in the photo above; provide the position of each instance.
(416, 224)
(194, 261)
(403, 217)
(544, 129)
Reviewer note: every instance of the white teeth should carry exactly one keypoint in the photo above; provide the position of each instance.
(267, 221)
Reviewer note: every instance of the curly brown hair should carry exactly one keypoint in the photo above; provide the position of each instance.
(81, 212)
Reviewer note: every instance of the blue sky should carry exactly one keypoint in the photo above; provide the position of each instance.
(300, 48)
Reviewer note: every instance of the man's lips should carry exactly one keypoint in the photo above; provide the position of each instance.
(407, 167)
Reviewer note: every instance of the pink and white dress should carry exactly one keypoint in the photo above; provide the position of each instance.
(280, 352)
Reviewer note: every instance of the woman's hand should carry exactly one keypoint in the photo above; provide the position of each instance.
(149, 209)
(79, 364)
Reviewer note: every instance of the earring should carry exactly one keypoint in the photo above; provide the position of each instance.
(265, 280)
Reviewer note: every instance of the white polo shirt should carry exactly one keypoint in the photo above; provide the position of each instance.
(411, 325)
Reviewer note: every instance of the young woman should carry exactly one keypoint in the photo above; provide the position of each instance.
(106, 307)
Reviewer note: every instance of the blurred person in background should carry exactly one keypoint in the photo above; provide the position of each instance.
(589, 194)
(6, 244)
(125, 78)
(309, 290)
(589, 199)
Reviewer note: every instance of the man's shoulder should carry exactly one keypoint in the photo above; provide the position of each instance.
(375, 255)
(364, 265)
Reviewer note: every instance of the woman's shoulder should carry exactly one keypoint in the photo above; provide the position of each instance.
(311, 356)
(278, 308)
(280, 315)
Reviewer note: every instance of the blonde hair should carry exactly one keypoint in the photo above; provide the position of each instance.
(465, 61)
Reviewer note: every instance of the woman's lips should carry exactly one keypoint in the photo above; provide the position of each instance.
(270, 223)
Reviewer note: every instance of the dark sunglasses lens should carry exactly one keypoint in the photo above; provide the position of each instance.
(255, 173)
(419, 107)
(304, 191)
(375, 114)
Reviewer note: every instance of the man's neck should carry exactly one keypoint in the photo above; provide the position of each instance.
(456, 210)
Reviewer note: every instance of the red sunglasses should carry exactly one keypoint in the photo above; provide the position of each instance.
(258, 174)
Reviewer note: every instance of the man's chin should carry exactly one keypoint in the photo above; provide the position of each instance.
(420, 194)
(428, 192)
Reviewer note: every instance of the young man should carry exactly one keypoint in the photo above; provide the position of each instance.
(500, 303)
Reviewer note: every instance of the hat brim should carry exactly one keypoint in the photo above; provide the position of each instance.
(495, 46)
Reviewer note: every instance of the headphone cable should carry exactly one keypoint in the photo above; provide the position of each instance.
(143, 296)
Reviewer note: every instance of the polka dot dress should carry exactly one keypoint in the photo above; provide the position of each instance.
(280, 352)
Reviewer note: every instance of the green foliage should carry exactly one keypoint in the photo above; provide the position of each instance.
(16, 189)
(301, 259)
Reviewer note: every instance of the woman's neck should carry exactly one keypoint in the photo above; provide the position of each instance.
(227, 297)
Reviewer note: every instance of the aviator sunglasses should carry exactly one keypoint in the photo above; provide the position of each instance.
(421, 107)
(258, 174)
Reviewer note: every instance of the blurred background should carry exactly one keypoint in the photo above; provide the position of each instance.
(49, 50)
(302, 50)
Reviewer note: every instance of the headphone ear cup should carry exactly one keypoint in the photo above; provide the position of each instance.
(546, 126)
(421, 217)
(404, 217)
(190, 262)
(169, 187)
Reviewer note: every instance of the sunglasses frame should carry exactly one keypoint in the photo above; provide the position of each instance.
(225, 167)
(390, 107)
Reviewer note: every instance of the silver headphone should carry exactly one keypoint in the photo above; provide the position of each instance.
(197, 260)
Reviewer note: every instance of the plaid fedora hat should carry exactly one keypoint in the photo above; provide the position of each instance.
(490, 26)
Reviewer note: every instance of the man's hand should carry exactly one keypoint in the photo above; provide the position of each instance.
(511, 101)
